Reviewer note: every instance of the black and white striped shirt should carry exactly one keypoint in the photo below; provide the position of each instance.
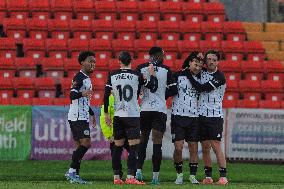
(80, 106)
(212, 88)
(185, 103)
(125, 85)
(156, 101)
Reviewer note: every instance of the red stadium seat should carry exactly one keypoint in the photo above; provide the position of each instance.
(232, 85)
(45, 87)
(103, 29)
(235, 76)
(81, 29)
(247, 103)
(3, 10)
(273, 66)
(7, 48)
(101, 63)
(4, 101)
(125, 29)
(26, 67)
(77, 45)
(40, 9)
(6, 88)
(97, 98)
(123, 45)
(15, 28)
(250, 85)
(274, 96)
(234, 31)
(37, 28)
(21, 101)
(18, 9)
(253, 70)
(171, 11)
(272, 86)
(170, 48)
(178, 64)
(59, 29)
(128, 10)
(269, 104)
(142, 47)
(254, 50)
(106, 10)
(252, 96)
(84, 9)
(24, 87)
(53, 67)
(213, 31)
(215, 12)
(197, 1)
(99, 79)
(233, 50)
(150, 10)
(102, 48)
(42, 101)
(229, 103)
(61, 101)
(208, 45)
(7, 68)
(169, 30)
(193, 12)
(137, 62)
(191, 31)
(56, 48)
(147, 30)
(66, 86)
(229, 66)
(34, 48)
(186, 47)
(72, 66)
(113, 64)
(62, 9)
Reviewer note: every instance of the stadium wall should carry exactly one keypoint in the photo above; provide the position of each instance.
(43, 133)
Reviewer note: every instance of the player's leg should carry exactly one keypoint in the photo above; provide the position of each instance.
(178, 136)
(116, 160)
(81, 134)
(216, 136)
(177, 156)
(158, 128)
(206, 147)
(133, 136)
(119, 139)
(192, 137)
(145, 128)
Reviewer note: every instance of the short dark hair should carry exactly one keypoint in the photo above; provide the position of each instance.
(193, 55)
(155, 50)
(84, 54)
(213, 52)
(125, 57)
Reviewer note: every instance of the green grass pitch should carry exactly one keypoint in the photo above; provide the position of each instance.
(50, 174)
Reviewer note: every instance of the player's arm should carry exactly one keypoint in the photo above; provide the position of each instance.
(171, 89)
(214, 83)
(75, 88)
(108, 89)
(152, 83)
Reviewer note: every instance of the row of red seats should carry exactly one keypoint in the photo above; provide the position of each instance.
(86, 9)
(60, 48)
(254, 96)
(127, 30)
(265, 104)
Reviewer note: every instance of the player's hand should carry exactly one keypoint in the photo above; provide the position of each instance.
(151, 69)
(87, 93)
(94, 121)
(107, 119)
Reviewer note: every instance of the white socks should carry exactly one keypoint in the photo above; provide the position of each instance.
(156, 175)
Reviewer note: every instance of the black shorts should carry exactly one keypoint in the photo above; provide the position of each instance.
(126, 127)
(211, 128)
(185, 128)
(80, 129)
(153, 120)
